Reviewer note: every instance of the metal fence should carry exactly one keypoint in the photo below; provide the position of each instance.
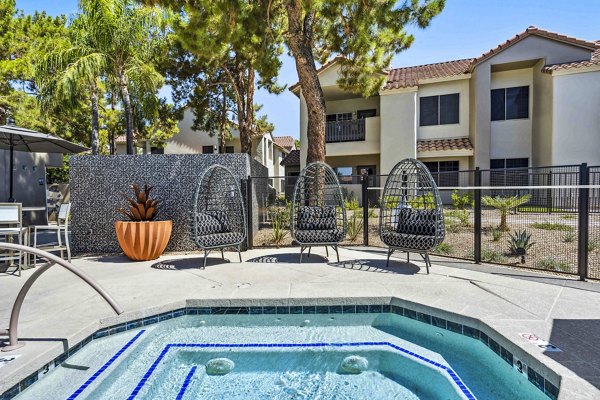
(553, 213)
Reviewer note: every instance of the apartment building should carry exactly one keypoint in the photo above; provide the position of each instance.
(268, 150)
(531, 101)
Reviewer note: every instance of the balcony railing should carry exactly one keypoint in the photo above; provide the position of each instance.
(345, 131)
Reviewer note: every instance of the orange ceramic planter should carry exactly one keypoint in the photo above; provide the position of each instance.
(143, 241)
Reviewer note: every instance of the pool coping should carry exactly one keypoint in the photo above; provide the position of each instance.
(540, 375)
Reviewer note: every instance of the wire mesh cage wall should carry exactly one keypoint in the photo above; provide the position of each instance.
(593, 245)
(219, 214)
(411, 217)
(318, 212)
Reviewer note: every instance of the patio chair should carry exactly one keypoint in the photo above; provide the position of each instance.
(11, 227)
(411, 217)
(219, 215)
(318, 212)
(61, 228)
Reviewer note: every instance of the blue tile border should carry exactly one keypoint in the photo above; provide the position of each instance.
(186, 383)
(103, 368)
(454, 378)
(533, 376)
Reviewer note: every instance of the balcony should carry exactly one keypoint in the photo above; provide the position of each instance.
(345, 131)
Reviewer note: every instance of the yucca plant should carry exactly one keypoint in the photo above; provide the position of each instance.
(141, 207)
(520, 242)
(355, 226)
(504, 204)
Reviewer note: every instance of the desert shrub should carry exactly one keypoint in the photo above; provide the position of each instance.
(519, 240)
(461, 215)
(551, 226)
(355, 226)
(553, 264)
(462, 201)
(444, 248)
(352, 203)
(569, 237)
(592, 245)
(493, 256)
(496, 234)
(503, 204)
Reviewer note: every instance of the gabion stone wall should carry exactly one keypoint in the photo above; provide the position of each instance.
(98, 184)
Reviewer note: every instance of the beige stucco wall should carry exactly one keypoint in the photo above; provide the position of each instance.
(353, 161)
(398, 127)
(371, 144)
(451, 130)
(352, 105)
(576, 118)
(541, 124)
(189, 141)
(479, 115)
(512, 138)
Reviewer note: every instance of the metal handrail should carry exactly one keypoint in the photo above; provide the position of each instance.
(11, 332)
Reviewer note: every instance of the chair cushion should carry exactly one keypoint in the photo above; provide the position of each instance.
(319, 236)
(417, 222)
(316, 218)
(210, 222)
(407, 241)
(221, 239)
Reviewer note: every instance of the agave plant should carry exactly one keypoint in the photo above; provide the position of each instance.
(520, 242)
(141, 207)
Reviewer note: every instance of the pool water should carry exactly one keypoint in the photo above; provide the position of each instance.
(285, 357)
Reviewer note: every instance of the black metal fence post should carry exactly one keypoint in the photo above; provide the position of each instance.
(249, 211)
(583, 222)
(477, 217)
(365, 204)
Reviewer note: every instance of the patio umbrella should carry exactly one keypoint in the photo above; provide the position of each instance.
(14, 138)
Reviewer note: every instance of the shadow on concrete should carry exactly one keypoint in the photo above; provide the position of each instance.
(290, 258)
(577, 338)
(395, 266)
(189, 263)
(114, 258)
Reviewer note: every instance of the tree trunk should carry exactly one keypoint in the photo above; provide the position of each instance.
(223, 123)
(128, 114)
(95, 124)
(243, 86)
(300, 43)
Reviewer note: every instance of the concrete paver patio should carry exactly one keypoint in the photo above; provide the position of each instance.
(61, 310)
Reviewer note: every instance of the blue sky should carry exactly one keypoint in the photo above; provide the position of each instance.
(466, 28)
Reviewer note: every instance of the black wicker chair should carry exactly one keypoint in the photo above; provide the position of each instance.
(219, 215)
(318, 212)
(411, 217)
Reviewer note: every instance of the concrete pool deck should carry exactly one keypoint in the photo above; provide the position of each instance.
(61, 310)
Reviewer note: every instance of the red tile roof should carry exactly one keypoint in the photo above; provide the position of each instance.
(410, 76)
(444, 144)
(533, 30)
(595, 60)
(292, 159)
(285, 142)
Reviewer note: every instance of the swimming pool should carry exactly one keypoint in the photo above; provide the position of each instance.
(290, 356)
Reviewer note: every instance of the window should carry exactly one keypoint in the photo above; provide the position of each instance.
(339, 117)
(361, 114)
(511, 172)
(439, 110)
(208, 149)
(344, 174)
(229, 149)
(510, 103)
(445, 173)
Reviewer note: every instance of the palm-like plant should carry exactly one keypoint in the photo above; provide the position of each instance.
(504, 204)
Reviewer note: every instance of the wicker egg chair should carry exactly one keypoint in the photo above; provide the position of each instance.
(411, 217)
(219, 215)
(318, 212)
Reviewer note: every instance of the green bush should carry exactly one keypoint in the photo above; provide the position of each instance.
(496, 234)
(352, 204)
(462, 202)
(461, 215)
(592, 245)
(493, 256)
(444, 248)
(422, 202)
(551, 226)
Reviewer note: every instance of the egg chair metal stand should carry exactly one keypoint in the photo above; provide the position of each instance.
(219, 214)
(318, 211)
(411, 217)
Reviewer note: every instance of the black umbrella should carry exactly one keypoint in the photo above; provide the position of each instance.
(14, 139)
